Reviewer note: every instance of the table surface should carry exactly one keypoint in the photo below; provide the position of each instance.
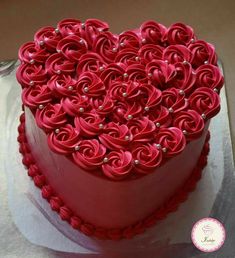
(212, 20)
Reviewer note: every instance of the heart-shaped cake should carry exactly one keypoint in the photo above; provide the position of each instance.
(115, 127)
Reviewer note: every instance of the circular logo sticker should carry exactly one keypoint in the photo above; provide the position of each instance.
(208, 235)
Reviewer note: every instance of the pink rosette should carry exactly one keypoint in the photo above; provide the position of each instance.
(75, 105)
(141, 129)
(113, 72)
(69, 27)
(90, 154)
(127, 56)
(97, 25)
(177, 53)
(190, 123)
(136, 72)
(150, 96)
(106, 45)
(92, 28)
(119, 165)
(62, 85)
(162, 73)
(152, 32)
(123, 90)
(37, 96)
(179, 33)
(133, 110)
(119, 112)
(64, 141)
(202, 52)
(48, 38)
(185, 78)
(57, 64)
(90, 84)
(90, 62)
(31, 53)
(129, 39)
(160, 116)
(146, 158)
(90, 124)
(30, 75)
(72, 47)
(150, 52)
(170, 140)
(205, 101)
(117, 90)
(50, 117)
(103, 105)
(115, 137)
(209, 76)
(174, 100)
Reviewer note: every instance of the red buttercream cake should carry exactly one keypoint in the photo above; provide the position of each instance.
(115, 126)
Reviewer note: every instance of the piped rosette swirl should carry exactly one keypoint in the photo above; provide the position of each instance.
(119, 105)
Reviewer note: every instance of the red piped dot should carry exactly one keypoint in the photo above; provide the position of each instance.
(39, 180)
(21, 138)
(24, 148)
(65, 213)
(128, 232)
(55, 203)
(138, 228)
(28, 160)
(22, 118)
(100, 233)
(33, 170)
(114, 234)
(151, 220)
(47, 191)
(75, 222)
(21, 128)
(87, 229)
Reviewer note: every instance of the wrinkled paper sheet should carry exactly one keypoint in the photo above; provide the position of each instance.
(41, 226)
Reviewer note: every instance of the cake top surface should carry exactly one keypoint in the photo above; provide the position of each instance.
(119, 105)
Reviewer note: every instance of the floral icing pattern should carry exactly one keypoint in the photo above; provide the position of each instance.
(119, 105)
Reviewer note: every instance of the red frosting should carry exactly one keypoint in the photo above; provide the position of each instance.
(39, 95)
(69, 27)
(65, 140)
(121, 104)
(51, 117)
(62, 85)
(202, 52)
(31, 53)
(57, 64)
(115, 136)
(180, 33)
(119, 164)
(152, 32)
(190, 122)
(205, 101)
(75, 105)
(90, 124)
(148, 156)
(47, 38)
(209, 76)
(170, 140)
(90, 154)
(129, 39)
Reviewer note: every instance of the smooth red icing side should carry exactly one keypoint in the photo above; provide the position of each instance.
(106, 203)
